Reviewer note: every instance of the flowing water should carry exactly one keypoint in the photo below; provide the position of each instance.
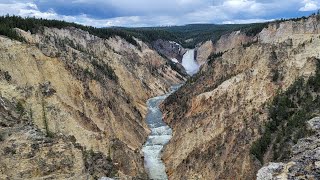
(160, 135)
(160, 132)
(189, 62)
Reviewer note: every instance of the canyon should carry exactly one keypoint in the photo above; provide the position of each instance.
(159, 136)
(218, 114)
(160, 132)
(74, 105)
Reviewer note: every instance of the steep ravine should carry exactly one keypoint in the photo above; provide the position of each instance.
(161, 133)
(159, 136)
(222, 110)
(77, 106)
(72, 105)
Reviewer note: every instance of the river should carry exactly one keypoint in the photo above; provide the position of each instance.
(160, 135)
(160, 132)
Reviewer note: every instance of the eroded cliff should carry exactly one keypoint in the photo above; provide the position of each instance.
(169, 49)
(73, 104)
(222, 110)
(225, 43)
(305, 162)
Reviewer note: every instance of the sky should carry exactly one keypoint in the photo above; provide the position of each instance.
(138, 13)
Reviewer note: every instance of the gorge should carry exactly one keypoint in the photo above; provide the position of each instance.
(78, 102)
(160, 132)
(159, 136)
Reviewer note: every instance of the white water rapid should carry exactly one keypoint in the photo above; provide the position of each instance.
(160, 135)
(160, 132)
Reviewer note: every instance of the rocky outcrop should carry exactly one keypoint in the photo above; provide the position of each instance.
(169, 49)
(276, 32)
(28, 153)
(68, 83)
(232, 40)
(220, 112)
(305, 162)
(203, 51)
(225, 43)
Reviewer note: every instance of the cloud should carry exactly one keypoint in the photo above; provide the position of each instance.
(120, 8)
(31, 10)
(310, 5)
(247, 21)
(102, 13)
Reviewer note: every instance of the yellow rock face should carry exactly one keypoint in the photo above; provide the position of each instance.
(218, 114)
(203, 52)
(62, 79)
(225, 43)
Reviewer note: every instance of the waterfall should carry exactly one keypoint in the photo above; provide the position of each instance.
(189, 62)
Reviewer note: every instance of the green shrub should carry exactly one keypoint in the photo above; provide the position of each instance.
(254, 29)
(213, 56)
(45, 121)
(19, 108)
(1, 137)
(249, 44)
(106, 70)
(275, 76)
(31, 114)
(288, 113)
(260, 146)
(7, 76)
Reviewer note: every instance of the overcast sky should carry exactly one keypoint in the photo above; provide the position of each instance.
(103, 13)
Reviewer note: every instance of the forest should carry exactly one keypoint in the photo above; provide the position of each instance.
(188, 36)
(288, 113)
(191, 35)
(7, 23)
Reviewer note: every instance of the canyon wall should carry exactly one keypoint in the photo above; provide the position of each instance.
(305, 161)
(225, 43)
(222, 110)
(72, 105)
(169, 49)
